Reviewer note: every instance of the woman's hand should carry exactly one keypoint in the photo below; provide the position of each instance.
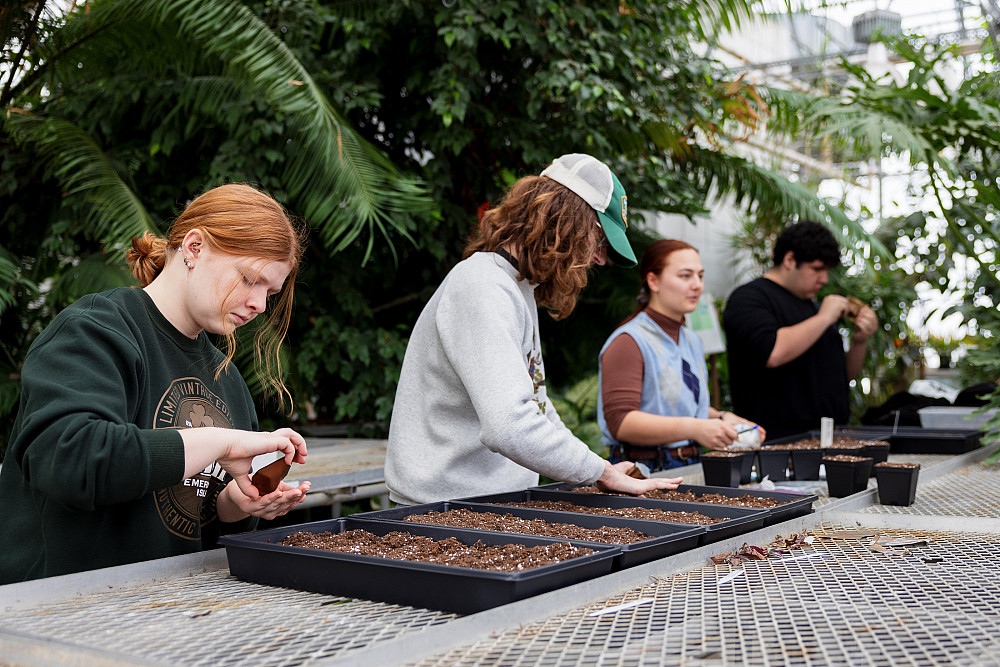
(715, 433)
(234, 505)
(616, 478)
(738, 421)
(248, 444)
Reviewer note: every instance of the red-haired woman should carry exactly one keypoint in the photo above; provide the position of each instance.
(654, 399)
(135, 434)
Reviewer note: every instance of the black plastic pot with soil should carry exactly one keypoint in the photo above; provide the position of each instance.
(847, 475)
(723, 468)
(773, 463)
(878, 451)
(897, 482)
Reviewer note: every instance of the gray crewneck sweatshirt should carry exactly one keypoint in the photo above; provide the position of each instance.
(471, 415)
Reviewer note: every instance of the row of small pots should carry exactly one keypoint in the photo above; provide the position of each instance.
(845, 473)
(775, 462)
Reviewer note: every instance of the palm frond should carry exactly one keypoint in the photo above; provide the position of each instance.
(339, 182)
(343, 184)
(752, 185)
(93, 273)
(82, 168)
(8, 278)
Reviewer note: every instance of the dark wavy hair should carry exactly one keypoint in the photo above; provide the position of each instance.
(654, 260)
(808, 241)
(553, 229)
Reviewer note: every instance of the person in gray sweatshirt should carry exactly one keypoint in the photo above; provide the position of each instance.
(471, 414)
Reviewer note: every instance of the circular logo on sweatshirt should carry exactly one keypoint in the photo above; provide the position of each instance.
(185, 507)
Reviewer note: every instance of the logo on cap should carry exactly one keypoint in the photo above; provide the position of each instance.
(625, 210)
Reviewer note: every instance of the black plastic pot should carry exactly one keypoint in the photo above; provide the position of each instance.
(836, 450)
(726, 470)
(897, 486)
(749, 458)
(805, 463)
(773, 463)
(878, 452)
(844, 478)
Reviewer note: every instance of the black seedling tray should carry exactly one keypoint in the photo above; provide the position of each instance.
(665, 539)
(258, 557)
(738, 519)
(795, 504)
(918, 440)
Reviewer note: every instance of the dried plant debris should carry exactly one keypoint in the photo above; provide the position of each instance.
(779, 547)
(883, 544)
(906, 542)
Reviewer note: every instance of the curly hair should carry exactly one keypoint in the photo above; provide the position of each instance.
(235, 219)
(553, 230)
(807, 241)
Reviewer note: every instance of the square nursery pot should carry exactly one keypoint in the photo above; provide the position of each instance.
(878, 451)
(845, 448)
(773, 463)
(722, 468)
(846, 475)
(897, 482)
(805, 462)
(749, 458)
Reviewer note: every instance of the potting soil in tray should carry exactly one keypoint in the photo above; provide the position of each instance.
(259, 557)
(646, 513)
(661, 539)
(719, 521)
(508, 523)
(448, 551)
(689, 496)
(780, 505)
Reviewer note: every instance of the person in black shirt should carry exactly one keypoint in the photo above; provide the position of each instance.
(787, 363)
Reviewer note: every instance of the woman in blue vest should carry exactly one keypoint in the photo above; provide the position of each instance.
(654, 398)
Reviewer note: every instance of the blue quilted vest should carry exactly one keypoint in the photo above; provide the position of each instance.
(664, 391)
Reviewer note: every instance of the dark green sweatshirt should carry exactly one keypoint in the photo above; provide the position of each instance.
(92, 476)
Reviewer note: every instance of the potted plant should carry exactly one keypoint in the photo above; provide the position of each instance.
(846, 475)
(897, 482)
(722, 468)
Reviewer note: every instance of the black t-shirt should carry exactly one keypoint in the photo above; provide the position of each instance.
(792, 398)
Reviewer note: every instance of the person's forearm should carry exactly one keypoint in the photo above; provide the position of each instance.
(228, 510)
(855, 358)
(793, 341)
(203, 446)
(643, 428)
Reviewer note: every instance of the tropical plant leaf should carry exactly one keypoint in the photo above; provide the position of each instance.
(342, 184)
(757, 187)
(93, 273)
(82, 168)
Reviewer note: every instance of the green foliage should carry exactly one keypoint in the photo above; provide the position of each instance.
(386, 126)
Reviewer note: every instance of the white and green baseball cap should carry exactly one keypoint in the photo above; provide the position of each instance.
(594, 182)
